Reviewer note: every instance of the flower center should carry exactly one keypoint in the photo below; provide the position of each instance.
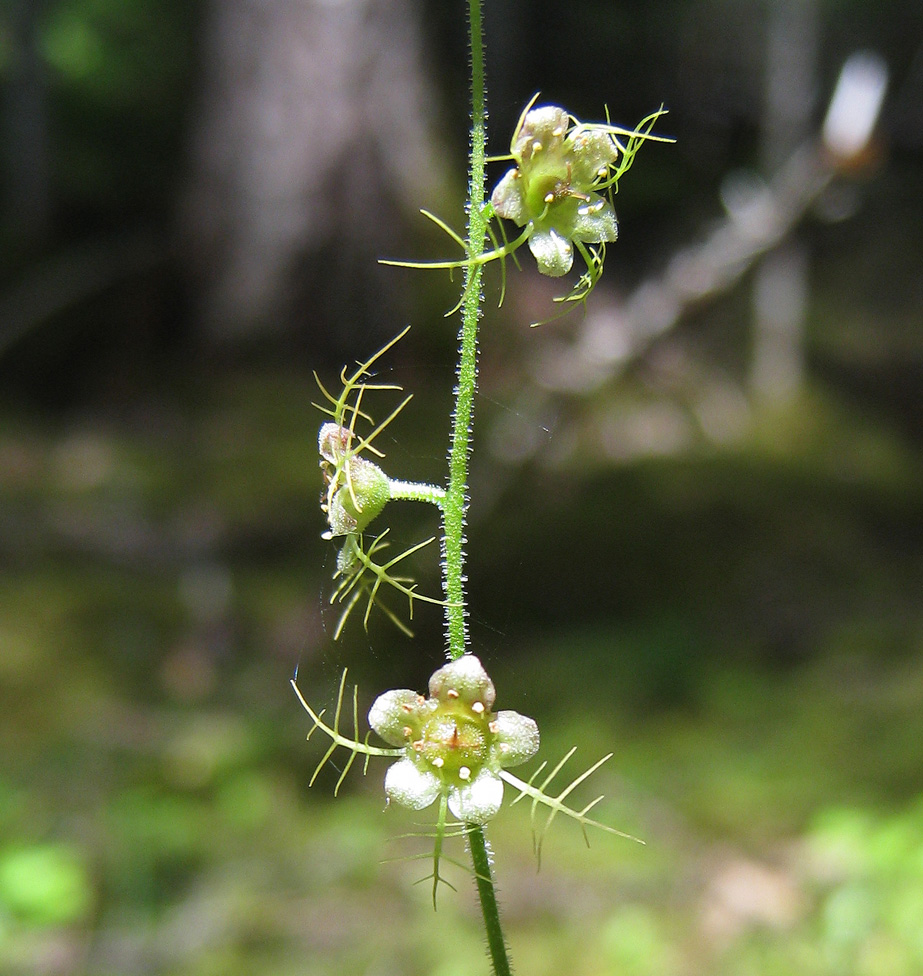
(547, 180)
(454, 744)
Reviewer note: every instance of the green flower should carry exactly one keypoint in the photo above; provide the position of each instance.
(454, 744)
(553, 187)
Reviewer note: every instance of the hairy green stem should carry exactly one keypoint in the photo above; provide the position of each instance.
(414, 491)
(456, 498)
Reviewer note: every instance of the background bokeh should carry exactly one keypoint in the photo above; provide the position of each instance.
(696, 528)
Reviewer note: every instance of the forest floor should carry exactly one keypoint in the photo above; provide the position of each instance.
(163, 576)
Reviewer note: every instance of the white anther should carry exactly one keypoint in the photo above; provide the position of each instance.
(477, 707)
(464, 773)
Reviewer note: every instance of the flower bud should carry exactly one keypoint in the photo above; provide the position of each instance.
(363, 493)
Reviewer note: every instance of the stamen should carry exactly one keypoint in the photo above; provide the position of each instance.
(477, 707)
(451, 693)
(591, 208)
(464, 773)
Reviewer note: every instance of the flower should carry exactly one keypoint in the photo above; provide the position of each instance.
(454, 743)
(357, 490)
(552, 189)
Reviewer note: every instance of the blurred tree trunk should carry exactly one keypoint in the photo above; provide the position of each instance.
(781, 287)
(28, 189)
(314, 136)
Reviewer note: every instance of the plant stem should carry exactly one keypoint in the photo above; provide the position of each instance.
(480, 860)
(414, 491)
(456, 498)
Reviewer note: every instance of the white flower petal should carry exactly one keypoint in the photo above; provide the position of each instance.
(479, 800)
(411, 787)
(553, 253)
(464, 678)
(507, 198)
(542, 131)
(333, 442)
(517, 738)
(595, 221)
(391, 713)
(593, 150)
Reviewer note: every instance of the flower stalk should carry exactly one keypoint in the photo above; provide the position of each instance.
(456, 499)
(450, 747)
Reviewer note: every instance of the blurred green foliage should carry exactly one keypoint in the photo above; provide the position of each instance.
(44, 885)
(872, 888)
